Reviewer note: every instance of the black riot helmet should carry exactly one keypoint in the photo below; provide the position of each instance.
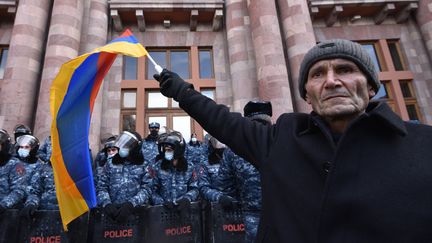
(109, 142)
(5, 141)
(29, 140)
(173, 139)
(126, 142)
(20, 130)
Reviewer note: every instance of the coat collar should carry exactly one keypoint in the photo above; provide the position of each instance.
(375, 110)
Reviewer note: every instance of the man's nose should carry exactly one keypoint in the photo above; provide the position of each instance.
(332, 80)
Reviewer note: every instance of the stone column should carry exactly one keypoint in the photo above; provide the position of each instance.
(21, 80)
(94, 34)
(424, 21)
(241, 54)
(299, 38)
(271, 66)
(63, 44)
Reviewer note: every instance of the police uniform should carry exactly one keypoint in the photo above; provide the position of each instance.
(194, 153)
(44, 152)
(149, 150)
(207, 178)
(42, 191)
(12, 189)
(172, 184)
(120, 183)
(236, 172)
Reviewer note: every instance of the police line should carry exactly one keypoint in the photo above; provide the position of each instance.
(155, 224)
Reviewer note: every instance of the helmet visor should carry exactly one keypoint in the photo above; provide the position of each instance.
(126, 140)
(27, 140)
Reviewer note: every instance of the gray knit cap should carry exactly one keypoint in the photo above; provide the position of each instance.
(338, 48)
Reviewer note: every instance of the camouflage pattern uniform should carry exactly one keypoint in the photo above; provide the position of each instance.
(12, 190)
(149, 150)
(207, 181)
(44, 152)
(30, 169)
(194, 153)
(236, 172)
(42, 192)
(120, 183)
(171, 185)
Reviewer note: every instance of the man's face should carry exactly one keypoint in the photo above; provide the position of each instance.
(337, 88)
(154, 130)
(112, 151)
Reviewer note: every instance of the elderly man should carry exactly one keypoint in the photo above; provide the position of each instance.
(351, 171)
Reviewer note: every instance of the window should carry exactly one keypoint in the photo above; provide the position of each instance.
(129, 99)
(370, 48)
(209, 93)
(142, 101)
(396, 56)
(176, 60)
(128, 110)
(128, 122)
(3, 59)
(397, 88)
(130, 68)
(206, 64)
(160, 58)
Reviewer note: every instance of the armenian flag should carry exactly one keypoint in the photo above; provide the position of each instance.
(72, 96)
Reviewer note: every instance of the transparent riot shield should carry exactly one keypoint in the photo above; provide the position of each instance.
(46, 226)
(223, 226)
(171, 226)
(104, 229)
(9, 225)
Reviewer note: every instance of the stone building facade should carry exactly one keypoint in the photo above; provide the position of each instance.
(233, 51)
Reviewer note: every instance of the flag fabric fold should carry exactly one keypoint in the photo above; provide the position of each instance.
(72, 96)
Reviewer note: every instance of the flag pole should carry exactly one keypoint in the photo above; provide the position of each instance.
(156, 66)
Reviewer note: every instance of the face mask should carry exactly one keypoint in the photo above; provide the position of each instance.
(23, 153)
(110, 156)
(154, 132)
(194, 140)
(169, 155)
(124, 153)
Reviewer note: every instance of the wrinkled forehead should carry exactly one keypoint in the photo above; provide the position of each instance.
(331, 62)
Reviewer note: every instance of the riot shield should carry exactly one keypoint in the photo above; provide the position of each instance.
(104, 229)
(46, 226)
(9, 225)
(170, 226)
(224, 226)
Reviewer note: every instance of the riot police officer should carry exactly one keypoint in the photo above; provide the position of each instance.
(235, 170)
(41, 191)
(172, 178)
(121, 185)
(12, 190)
(26, 149)
(208, 173)
(45, 151)
(149, 147)
(195, 151)
(101, 157)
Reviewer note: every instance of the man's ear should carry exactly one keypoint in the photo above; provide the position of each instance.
(371, 91)
(307, 98)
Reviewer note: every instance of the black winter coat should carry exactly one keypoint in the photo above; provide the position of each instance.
(378, 187)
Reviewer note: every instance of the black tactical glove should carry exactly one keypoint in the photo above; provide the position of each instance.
(184, 207)
(169, 204)
(171, 85)
(227, 202)
(27, 212)
(125, 210)
(111, 210)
